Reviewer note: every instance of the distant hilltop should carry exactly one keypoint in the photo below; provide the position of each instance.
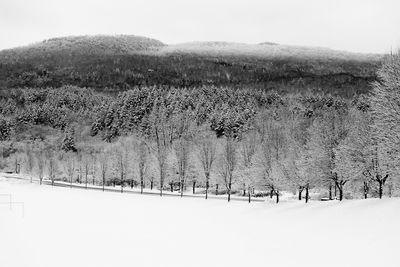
(123, 61)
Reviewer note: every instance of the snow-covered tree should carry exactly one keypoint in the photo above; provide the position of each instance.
(52, 165)
(385, 106)
(272, 134)
(142, 162)
(247, 151)
(162, 133)
(29, 160)
(325, 135)
(206, 153)
(296, 164)
(228, 163)
(353, 155)
(182, 145)
(120, 165)
(68, 161)
(103, 161)
(385, 110)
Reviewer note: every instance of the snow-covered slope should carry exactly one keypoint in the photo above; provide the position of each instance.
(74, 227)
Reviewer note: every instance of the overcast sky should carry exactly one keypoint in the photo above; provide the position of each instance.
(355, 25)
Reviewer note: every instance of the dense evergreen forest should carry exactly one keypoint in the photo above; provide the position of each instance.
(167, 120)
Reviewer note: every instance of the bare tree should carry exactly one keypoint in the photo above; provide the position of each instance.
(17, 162)
(183, 140)
(380, 170)
(181, 148)
(52, 165)
(326, 134)
(272, 154)
(162, 133)
(41, 162)
(247, 152)
(86, 167)
(93, 165)
(29, 159)
(80, 159)
(69, 166)
(355, 155)
(142, 162)
(207, 154)
(228, 163)
(296, 165)
(121, 159)
(385, 114)
(103, 162)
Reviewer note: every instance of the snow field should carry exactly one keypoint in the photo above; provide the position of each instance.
(71, 227)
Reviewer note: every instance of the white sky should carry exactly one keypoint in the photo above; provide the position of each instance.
(355, 25)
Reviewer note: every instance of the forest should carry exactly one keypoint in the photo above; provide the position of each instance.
(213, 139)
(122, 62)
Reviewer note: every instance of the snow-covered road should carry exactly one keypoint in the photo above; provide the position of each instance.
(67, 227)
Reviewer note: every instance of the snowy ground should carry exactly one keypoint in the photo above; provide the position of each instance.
(74, 227)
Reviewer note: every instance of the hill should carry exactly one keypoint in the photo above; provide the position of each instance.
(267, 50)
(81, 45)
(121, 62)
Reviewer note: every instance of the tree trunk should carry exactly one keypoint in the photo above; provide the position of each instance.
(131, 183)
(307, 194)
(216, 189)
(244, 190)
(194, 187)
(340, 193)
(336, 187)
(182, 185)
(380, 189)
(271, 194)
(249, 193)
(172, 187)
(151, 185)
(141, 186)
(16, 166)
(207, 189)
(229, 192)
(86, 181)
(104, 181)
(330, 191)
(366, 189)
(277, 197)
(300, 191)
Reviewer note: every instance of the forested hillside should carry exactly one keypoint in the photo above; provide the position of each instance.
(234, 118)
(123, 62)
(243, 140)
